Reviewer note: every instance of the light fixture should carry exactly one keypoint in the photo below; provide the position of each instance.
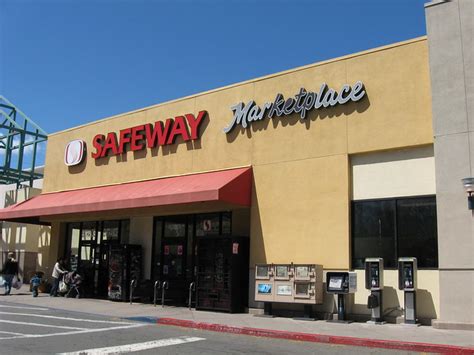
(469, 187)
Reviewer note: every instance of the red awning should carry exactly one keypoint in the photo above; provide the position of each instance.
(229, 186)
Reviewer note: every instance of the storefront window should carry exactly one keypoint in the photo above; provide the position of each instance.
(124, 231)
(110, 230)
(89, 231)
(393, 228)
(82, 237)
(86, 253)
(207, 224)
(417, 230)
(174, 238)
(74, 233)
(374, 232)
(175, 227)
(226, 223)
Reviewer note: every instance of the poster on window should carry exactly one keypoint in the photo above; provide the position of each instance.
(207, 225)
(167, 250)
(180, 250)
(235, 248)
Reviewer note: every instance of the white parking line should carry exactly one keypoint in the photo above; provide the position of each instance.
(65, 318)
(33, 308)
(96, 330)
(1, 331)
(41, 325)
(136, 347)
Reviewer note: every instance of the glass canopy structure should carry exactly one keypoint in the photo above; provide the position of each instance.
(20, 140)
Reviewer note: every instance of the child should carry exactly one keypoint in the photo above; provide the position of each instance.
(35, 282)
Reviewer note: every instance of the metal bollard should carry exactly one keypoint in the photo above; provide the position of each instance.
(164, 286)
(155, 293)
(133, 284)
(192, 287)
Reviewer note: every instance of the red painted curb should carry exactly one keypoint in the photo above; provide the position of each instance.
(320, 338)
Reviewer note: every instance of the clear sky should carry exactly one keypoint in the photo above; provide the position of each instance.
(66, 63)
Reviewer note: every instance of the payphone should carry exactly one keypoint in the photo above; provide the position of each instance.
(374, 283)
(407, 282)
(341, 283)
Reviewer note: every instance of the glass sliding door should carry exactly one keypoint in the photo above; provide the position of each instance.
(87, 245)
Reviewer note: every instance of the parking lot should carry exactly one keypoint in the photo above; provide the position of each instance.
(27, 329)
(40, 323)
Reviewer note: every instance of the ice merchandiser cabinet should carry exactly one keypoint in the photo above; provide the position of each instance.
(125, 265)
(222, 264)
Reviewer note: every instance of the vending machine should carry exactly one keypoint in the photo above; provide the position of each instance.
(222, 264)
(125, 265)
(341, 283)
(289, 283)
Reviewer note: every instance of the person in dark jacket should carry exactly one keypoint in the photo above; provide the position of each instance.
(10, 270)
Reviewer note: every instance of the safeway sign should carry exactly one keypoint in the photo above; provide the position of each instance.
(74, 152)
(137, 138)
(148, 135)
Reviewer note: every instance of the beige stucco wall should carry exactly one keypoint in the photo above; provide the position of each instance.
(404, 172)
(302, 174)
(29, 242)
(141, 232)
(395, 173)
(396, 113)
(300, 168)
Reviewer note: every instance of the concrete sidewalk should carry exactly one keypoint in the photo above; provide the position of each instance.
(360, 334)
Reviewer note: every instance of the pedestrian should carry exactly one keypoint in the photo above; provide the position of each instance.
(35, 282)
(10, 270)
(58, 272)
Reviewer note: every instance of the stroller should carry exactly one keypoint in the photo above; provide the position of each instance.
(73, 281)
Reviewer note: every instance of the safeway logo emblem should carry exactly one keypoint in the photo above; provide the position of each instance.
(74, 152)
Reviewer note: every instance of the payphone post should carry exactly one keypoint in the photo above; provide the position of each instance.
(407, 282)
(341, 283)
(374, 283)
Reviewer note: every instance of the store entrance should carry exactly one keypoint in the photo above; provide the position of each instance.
(174, 266)
(87, 252)
(174, 246)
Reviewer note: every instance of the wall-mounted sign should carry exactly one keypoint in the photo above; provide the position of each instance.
(303, 101)
(148, 135)
(74, 152)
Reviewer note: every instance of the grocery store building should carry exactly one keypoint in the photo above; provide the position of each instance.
(325, 164)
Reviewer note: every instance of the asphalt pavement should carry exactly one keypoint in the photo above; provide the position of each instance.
(256, 333)
(26, 329)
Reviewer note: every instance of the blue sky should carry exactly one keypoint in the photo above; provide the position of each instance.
(66, 63)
